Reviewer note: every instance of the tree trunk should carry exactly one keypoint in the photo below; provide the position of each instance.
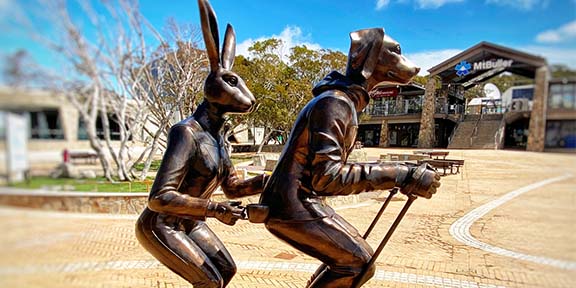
(265, 140)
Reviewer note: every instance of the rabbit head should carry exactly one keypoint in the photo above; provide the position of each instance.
(223, 88)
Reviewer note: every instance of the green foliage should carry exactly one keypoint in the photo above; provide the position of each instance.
(505, 81)
(421, 80)
(562, 71)
(282, 85)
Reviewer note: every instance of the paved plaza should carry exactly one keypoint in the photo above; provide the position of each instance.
(507, 220)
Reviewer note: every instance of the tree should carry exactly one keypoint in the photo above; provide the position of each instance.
(282, 88)
(562, 71)
(112, 73)
(171, 84)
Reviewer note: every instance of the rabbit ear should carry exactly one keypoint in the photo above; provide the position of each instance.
(229, 49)
(210, 33)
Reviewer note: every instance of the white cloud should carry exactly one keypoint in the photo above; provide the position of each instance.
(7, 7)
(291, 36)
(381, 4)
(564, 33)
(554, 55)
(428, 59)
(433, 4)
(520, 4)
(422, 4)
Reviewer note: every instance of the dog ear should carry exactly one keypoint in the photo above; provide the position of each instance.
(364, 52)
(210, 33)
(229, 48)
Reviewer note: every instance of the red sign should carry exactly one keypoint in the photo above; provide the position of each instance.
(384, 92)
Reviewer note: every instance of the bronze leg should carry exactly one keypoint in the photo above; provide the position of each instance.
(333, 241)
(171, 245)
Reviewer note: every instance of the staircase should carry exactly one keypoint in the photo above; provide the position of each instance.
(477, 132)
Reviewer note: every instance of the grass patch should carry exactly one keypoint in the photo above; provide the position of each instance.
(239, 158)
(85, 185)
(154, 166)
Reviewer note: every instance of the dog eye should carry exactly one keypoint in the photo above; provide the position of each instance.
(397, 49)
(231, 80)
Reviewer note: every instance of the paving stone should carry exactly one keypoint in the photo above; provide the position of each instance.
(48, 249)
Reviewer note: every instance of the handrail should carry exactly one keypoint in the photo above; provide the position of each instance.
(475, 130)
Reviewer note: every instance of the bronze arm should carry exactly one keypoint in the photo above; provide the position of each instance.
(330, 124)
(233, 187)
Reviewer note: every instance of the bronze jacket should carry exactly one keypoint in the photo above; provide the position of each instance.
(313, 162)
(194, 165)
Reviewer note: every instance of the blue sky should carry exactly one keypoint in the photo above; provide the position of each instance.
(430, 31)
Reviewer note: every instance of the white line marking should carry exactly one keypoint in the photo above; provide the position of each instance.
(381, 275)
(460, 229)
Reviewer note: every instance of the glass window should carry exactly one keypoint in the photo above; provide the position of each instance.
(2, 125)
(45, 125)
(113, 124)
(562, 96)
(569, 96)
(561, 134)
(523, 93)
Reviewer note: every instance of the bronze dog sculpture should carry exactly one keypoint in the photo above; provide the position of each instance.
(313, 164)
(195, 163)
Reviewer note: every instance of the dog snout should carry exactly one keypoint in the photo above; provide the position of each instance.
(416, 70)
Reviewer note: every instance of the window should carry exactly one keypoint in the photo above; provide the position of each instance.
(45, 125)
(114, 129)
(2, 125)
(561, 134)
(523, 93)
(562, 96)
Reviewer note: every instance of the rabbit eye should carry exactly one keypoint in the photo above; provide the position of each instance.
(231, 80)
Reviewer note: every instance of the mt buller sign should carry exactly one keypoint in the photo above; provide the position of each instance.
(491, 64)
(464, 68)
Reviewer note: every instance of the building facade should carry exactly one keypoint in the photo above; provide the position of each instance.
(536, 117)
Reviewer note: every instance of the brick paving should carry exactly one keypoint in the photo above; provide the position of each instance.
(57, 249)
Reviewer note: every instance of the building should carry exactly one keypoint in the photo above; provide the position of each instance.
(392, 119)
(536, 117)
(53, 125)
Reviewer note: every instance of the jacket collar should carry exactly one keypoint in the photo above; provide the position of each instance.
(356, 92)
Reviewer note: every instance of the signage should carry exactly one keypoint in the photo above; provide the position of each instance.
(385, 92)
(16, 146)
(464, 68)
(491, 64)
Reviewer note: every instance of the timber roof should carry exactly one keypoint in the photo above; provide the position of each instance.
(523, 64)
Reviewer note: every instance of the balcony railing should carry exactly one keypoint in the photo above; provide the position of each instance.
(449, 108)
(390, 108)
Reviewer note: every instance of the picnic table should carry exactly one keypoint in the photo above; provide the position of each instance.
(402, 157)
(85, 156)
(445, 164)
(433, 154)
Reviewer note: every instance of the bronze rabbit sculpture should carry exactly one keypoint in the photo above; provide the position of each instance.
(173, 228)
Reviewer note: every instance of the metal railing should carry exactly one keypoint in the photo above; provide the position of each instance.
(449, 108)
(389, 108)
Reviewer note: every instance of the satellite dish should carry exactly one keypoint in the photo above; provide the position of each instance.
(491, 91)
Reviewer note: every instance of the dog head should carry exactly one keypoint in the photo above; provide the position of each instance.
(376, 57)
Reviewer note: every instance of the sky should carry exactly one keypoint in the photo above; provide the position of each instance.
(429, 31)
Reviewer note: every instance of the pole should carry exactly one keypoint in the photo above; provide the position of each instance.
(359, 281)
(323, 266)
(393, 191)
